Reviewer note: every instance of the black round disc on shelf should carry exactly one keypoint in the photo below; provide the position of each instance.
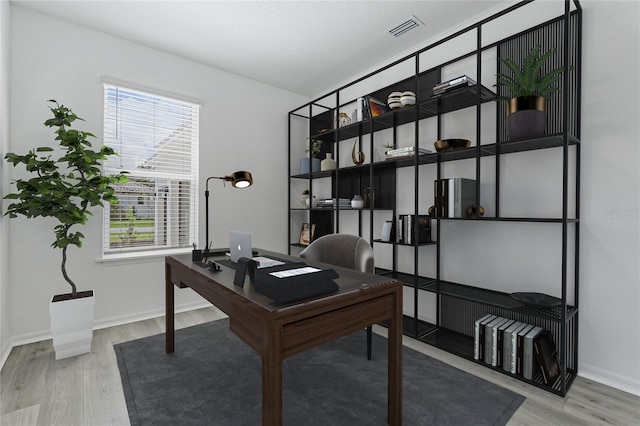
(538, 300)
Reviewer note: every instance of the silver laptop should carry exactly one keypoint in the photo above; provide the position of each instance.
(240, 246)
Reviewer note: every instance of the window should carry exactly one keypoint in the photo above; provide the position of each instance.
(156, 139)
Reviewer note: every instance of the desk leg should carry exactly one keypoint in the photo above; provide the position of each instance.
(272, 377)
(169, 309)
(394, 409)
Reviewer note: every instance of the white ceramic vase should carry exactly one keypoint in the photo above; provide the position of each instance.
(328, 163)
(357, 202)
(72, 325)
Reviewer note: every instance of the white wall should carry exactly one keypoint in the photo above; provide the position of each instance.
(243, 126)
(610, 221)
(495, 255)
(5, 11)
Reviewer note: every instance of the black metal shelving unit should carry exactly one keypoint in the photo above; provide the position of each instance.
(457, 305)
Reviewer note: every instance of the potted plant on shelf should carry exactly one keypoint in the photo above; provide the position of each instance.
(312, 157)
(529, 87)
(65, 188)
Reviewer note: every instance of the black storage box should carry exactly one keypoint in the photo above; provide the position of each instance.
(298, 287)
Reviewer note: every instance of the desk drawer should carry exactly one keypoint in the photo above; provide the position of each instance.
(302, 335)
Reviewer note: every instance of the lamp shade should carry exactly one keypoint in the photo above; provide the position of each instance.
(241, 179)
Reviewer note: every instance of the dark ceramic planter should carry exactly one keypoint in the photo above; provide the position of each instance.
(527, 118)
(526, 124)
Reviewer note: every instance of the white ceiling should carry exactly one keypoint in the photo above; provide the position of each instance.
(307, 47)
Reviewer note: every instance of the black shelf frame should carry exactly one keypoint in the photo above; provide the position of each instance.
(563, 136)
(406, 278)
(429, 243)
(461, 98)
(497, 299)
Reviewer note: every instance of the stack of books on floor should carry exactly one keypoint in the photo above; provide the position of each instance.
(331, 203)
(454, 83)
(406, 152)
(516, 347)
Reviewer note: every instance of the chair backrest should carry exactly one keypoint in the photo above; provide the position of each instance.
(348, 251)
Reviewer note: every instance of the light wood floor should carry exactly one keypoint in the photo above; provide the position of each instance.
(86, 390)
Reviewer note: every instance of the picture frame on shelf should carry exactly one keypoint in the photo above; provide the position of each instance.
(306, 233)
(376, 107)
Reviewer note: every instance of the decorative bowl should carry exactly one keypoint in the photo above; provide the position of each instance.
(451, 144)
(395, 104)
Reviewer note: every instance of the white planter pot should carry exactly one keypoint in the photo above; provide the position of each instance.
(72, 325)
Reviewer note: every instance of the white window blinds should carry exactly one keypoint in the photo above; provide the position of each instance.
(156, 139)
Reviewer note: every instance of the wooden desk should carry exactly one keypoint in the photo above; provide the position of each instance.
(280, 331)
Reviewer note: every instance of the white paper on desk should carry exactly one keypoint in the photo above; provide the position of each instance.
(266, 262)
(294, 272)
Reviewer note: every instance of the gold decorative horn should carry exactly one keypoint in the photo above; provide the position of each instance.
(359, 158)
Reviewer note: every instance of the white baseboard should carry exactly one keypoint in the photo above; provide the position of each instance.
(23, 339)
(141, 316)
(608, 378)
(39, 336)
(5, 350)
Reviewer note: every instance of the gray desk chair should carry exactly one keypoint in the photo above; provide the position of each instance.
(348, 251)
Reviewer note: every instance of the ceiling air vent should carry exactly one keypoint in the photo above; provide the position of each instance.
(405, 26)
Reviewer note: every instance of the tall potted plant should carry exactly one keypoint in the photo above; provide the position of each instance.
(65, 188)
(529, 87)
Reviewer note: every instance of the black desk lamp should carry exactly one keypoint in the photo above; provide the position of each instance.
(241, 179)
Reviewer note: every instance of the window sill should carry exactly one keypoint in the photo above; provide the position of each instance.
(139, 257)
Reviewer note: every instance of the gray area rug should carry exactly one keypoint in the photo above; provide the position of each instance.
(214, 378)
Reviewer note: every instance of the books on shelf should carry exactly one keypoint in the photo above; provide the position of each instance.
(498, 343)
(387, 231)
(479, 337)
(529, 362)
(368, 107)
(452, 84)
(462, 194)
(547, 356)
(516, 354)
(453, 196)
(330, 203)
(409, 224)
(507, 343)
(405, 152)
(490, 336)
(360, 109)
(516, 347)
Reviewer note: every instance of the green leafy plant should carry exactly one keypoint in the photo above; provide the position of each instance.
(527, 79)
(316, 145)
(63, 188)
